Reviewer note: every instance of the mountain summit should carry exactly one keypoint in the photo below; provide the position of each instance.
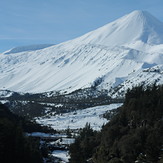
(136, 26)
(119, 55)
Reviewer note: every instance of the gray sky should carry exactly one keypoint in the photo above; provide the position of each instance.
(26, 22)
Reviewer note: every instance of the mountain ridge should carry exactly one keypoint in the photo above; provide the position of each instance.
(28, 48)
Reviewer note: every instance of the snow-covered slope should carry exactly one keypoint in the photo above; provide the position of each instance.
(116, 55)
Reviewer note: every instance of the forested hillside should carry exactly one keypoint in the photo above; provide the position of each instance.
(14, 145)
(134, 134)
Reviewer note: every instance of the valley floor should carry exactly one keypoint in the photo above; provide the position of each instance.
(74, 121)
(78, 119)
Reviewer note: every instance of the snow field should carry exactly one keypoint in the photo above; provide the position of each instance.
(114, 51)
(78, 119)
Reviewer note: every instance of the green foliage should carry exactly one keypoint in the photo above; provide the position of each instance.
(68, 133)
(84, 145)
(14, 146)
(135, 133)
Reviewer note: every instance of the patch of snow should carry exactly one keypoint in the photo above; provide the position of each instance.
(5, 93)
(59, 105)
(64, 141)
(63, 155)
(78, 119)
(4, 101)
(41, 134)
(51, 104)
(47, 109)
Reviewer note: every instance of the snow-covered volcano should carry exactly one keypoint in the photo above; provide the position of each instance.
(118, 55)
(136, 26)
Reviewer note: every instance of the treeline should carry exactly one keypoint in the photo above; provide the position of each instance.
(84, 146)
(15, 146)
(135, 134)
(37, 105)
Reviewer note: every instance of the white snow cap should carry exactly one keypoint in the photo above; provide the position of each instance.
(138, 25)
